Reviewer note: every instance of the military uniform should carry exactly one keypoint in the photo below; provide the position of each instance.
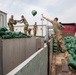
(58, 35)
(35, 30)
(25, 25)
(29, 31)
(10, 24)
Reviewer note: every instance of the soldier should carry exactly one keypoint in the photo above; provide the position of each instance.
(35, 29)
(61, 28)
(23, 20)
(29, 31)
(58, 33)
(11, 22)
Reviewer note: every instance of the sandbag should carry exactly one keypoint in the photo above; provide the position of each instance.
(3, 29)
(34, 12)
(2, 33)
(6, 36)
(72, 62)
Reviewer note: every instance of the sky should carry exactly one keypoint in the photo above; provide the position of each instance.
(65, 10)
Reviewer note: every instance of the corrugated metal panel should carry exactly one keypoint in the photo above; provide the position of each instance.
(3, 19)
(69, 29)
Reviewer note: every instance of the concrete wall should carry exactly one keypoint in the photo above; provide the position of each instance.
(50, 52)
(34, 65)
(15, 51)
(1, 65)
(39, 43)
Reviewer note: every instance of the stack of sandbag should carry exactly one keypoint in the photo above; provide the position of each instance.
(70, 43)
(5, 34)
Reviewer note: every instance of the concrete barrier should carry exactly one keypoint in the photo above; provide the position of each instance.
(50, 52)
(34, 65)
(15, 51)
(39, 43)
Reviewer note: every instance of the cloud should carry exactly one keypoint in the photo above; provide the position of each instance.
(63, 9)
(69, 15)
(36, 18)
(49, 2)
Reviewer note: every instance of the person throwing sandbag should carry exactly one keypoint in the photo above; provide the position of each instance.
(58, 33)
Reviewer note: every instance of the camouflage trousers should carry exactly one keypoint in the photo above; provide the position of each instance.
(60, 43)
(29, 31)
(25, 29)
(35, 32)
(11, 27)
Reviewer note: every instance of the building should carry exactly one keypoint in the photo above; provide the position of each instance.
(70, 29)
(3, 19)
(39, 32)
(42, 29)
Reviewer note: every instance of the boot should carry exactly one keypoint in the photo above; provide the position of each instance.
(66, 54)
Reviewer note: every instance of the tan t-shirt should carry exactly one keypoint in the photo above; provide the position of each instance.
(35, 27)
(56, 27)
(25, 21)
(11, 21)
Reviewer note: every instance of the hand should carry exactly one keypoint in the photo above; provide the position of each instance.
(42, 15)
(63, 27)
(18, 21)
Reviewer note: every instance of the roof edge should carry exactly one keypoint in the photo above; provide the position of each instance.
(3, 12)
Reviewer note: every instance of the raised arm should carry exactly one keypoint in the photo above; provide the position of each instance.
(46, 18)
(18, 21)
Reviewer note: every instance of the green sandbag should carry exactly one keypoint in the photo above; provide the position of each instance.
(62, 51)
(2, 33)
(54, 45)
(54, 41)
(74, 56)
(29, 36)
(8, 33)
(0, 37)
(75, 51)
(72, 62)
(22, 36)
(22, 33)
(15, 22)
(71, 52)
(6, 36)
(68, 39)
(17, 33)
(75, 46)
(54, 48)
(3, 29)
(34, 12)
(68, 46)
(75, 39)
